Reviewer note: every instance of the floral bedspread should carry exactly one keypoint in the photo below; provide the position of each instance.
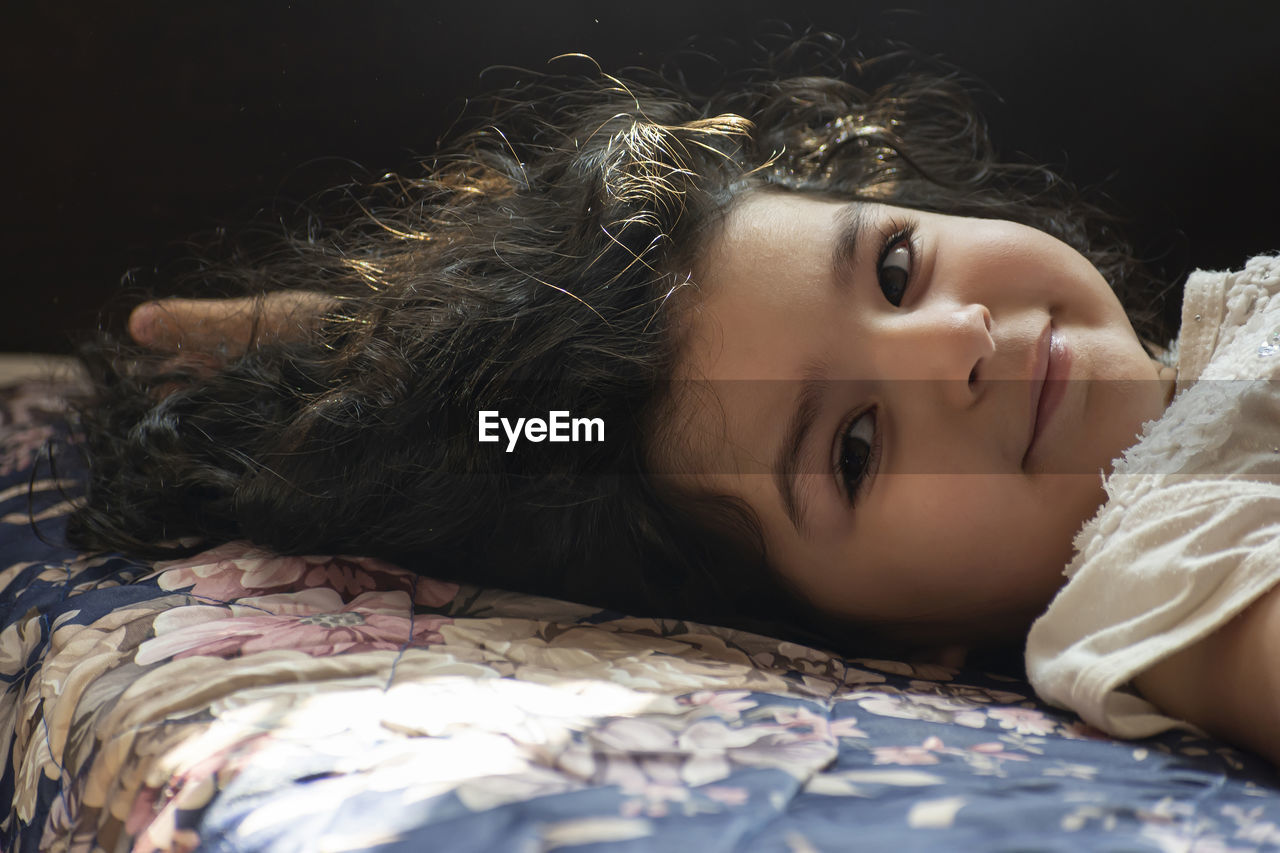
(244, 701)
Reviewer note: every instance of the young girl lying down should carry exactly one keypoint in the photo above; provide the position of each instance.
(858, 382)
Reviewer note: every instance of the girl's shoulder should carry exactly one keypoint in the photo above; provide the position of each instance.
(1228, 363)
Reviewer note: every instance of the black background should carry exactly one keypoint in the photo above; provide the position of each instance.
(128, 130)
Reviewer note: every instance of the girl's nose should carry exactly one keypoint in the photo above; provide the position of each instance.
(952, 343)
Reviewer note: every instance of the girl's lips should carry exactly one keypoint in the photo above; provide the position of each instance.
(1049, 385)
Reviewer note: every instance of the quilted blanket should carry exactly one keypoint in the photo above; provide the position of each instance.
(240, 700)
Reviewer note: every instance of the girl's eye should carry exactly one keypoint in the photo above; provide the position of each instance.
(894, 269)
(857, 453)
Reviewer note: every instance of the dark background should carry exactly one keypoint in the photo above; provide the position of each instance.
(127, 131)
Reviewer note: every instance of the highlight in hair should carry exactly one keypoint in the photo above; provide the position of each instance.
(530, 264)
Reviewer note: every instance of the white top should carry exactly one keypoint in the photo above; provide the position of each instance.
(1190, 533)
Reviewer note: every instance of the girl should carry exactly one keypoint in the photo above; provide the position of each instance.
(857, 378)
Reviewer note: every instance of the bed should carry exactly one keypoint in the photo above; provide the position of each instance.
(238, 700)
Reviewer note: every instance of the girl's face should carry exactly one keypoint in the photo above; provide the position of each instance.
(917, 407)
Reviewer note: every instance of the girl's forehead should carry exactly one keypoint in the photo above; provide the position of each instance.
(773, 220)
(774, 256)
(733, 361)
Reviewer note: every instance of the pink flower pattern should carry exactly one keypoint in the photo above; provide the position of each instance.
(1024, 721)
(980, 755)
(315, 621)
(724, 702)
(231, 571)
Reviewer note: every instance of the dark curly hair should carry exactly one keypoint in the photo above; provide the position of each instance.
(528, 267)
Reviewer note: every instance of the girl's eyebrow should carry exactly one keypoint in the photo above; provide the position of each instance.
(850, 222)
(785, 469)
